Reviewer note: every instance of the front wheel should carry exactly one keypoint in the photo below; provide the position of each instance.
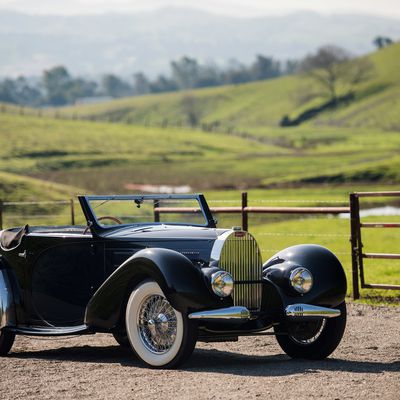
(314, 340)
(6, 342)
(160, 335)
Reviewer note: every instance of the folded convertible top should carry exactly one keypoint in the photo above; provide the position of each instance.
(10, 239)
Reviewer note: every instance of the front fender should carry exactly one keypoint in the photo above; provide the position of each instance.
(183, 284)
(329, 280)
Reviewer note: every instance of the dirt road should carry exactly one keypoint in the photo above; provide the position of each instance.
(366, 366)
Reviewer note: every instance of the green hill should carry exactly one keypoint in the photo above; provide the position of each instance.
(254, 106)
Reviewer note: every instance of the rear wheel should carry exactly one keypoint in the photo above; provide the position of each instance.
(6, 342)
(160, 335)
(312, 340)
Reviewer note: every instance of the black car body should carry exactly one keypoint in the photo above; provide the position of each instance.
(161, 286)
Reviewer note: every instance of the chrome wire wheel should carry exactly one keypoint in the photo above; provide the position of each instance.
(160, 335)
(157, 324)
(310, 336)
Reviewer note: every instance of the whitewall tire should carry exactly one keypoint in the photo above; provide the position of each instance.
(160, 335)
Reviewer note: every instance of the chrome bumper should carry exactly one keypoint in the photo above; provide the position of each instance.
(293, 311)
(241, 313)
(299, 311)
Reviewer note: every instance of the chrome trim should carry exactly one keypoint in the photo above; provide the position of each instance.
(237, 252)
(222, 313)
(6, 300)
(218, 244)
(299, 311)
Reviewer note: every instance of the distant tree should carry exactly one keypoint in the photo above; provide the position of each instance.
(141, 85)
(114, 86)
(56, 82)
(235, 73)
(209, 75)
(291, 67)
(332, 69)
(79, 88)
(382, 41)
(185, 72)
(8, 91)
(27, 94)
(162, 84)
(265, 68)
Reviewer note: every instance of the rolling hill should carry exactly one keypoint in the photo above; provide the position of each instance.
(236, 143)
(256, 106)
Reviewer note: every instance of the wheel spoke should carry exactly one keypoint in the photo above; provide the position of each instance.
(157, 324)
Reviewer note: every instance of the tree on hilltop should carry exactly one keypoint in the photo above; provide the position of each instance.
(335, 72)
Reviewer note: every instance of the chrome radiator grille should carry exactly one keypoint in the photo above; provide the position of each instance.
(240, 256)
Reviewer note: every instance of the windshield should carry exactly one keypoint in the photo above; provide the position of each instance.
(144, 210)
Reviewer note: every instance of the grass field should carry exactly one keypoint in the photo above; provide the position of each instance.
(106, 157)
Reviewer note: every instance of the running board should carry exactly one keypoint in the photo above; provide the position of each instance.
(49, 331)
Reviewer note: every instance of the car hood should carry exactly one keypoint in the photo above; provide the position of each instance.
(196, 243)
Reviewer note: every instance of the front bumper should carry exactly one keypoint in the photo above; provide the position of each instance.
(296, 312)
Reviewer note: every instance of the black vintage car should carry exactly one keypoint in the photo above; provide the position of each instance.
(160, 286)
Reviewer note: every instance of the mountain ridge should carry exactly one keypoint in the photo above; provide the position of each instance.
(148, 41)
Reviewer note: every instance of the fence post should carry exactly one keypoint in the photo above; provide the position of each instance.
(156, 213)
(71, 202)
(245, 221)
(1, 214)
(354, 240)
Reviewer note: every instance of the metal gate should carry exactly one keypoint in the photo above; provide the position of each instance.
(357, 254)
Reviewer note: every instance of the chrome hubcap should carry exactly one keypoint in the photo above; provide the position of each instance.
(157, 324)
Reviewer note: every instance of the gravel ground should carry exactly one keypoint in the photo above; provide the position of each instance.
(366, 365)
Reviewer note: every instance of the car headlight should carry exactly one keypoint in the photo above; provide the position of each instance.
(301, 280)
(222, 283)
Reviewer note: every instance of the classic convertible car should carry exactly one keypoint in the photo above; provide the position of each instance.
(159, 286)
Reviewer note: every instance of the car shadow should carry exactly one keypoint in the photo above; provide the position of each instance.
(217, 361)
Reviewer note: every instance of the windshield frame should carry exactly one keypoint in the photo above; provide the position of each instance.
(99, 229)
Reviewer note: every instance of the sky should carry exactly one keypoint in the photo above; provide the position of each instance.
(237, 8)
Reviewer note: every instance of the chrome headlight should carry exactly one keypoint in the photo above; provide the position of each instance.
(301, 280)
(222, 283)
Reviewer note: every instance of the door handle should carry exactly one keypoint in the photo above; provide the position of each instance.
(23, 255)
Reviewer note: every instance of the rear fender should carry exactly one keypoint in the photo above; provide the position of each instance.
(329, 280)
(8, 296)
(183, 284)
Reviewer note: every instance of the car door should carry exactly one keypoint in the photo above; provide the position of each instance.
(63, 277)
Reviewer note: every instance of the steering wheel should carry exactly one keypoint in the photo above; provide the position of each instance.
(115, 219)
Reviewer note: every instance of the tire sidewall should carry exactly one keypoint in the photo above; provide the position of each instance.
(138, 295)
(6, 342)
